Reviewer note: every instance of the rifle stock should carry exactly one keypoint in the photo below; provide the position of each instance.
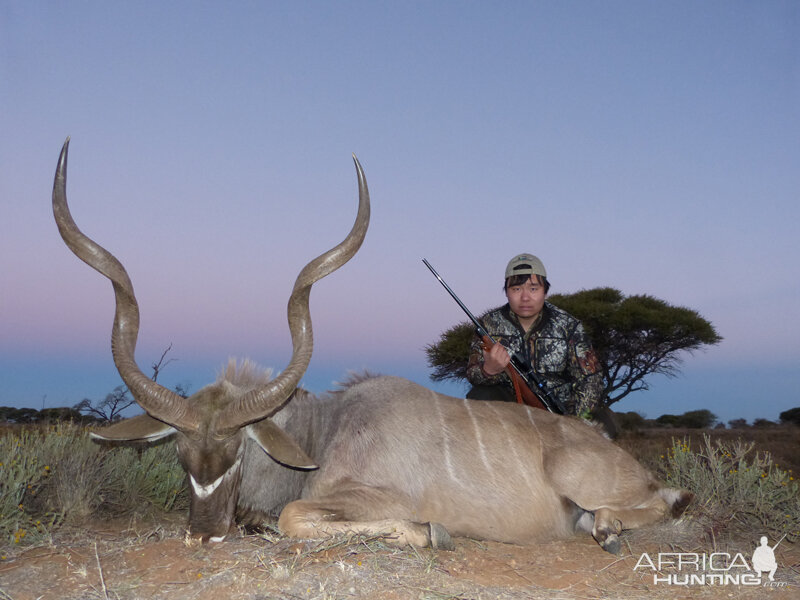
(522, 391)
(527, 388)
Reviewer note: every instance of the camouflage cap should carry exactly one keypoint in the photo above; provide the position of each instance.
(525, 264)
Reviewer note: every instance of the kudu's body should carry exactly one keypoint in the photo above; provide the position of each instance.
(382, 456)
(393, 455)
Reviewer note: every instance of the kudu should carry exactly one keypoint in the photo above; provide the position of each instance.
(390, 457)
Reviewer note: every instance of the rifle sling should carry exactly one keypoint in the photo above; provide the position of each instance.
(515, 384)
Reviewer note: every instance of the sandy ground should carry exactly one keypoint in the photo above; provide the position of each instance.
(110, 561)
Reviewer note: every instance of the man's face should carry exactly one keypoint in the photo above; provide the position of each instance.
(526, 299)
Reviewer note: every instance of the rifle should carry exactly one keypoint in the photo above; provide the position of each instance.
(528, 388)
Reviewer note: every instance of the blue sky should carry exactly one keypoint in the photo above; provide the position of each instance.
(653, 147)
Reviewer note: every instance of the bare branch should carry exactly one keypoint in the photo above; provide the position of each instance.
(158, 366)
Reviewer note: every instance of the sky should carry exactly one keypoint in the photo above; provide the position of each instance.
(653, 147)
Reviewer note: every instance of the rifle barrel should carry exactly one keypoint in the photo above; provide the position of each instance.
(477, 323)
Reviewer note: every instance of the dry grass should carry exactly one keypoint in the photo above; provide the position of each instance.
(743, 480)
(782, 442)
(56, 475)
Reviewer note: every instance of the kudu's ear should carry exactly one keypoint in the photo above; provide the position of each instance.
(275, 442)
(142, 428)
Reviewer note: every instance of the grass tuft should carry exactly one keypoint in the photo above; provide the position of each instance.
(56, 475)
(737, 489)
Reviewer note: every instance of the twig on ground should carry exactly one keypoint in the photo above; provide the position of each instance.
(100, 571)
(611, 564)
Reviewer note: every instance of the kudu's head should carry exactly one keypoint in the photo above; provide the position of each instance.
(212, 425)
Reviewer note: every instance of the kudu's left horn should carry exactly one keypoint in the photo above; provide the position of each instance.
(158, 401)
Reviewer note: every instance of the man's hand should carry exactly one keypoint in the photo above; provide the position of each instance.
(495, 359)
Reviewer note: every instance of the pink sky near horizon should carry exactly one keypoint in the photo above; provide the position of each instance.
(644, 146)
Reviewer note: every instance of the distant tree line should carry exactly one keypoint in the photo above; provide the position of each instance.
(701, 419)
(107, 411)
(791, 416)
(29, 416)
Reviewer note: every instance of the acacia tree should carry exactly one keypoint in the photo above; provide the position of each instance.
(110, 408)
(791, 416)
(634, 337)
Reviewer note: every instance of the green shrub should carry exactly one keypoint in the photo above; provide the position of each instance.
(56, 475)
(23, 473)
(630, 421)
(735, 488)
(152, 477)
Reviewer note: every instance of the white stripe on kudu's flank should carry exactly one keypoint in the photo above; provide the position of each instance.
(448, 461)
(476, 427)
(511, 447)
(529, 410)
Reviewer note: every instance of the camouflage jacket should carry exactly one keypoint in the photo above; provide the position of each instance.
(558, 348)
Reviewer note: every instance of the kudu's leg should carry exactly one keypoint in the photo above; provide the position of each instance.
(615, 488)
(609, 522)
(348, 512)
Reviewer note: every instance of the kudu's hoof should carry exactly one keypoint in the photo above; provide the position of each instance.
(611, 544)
(440, 538)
